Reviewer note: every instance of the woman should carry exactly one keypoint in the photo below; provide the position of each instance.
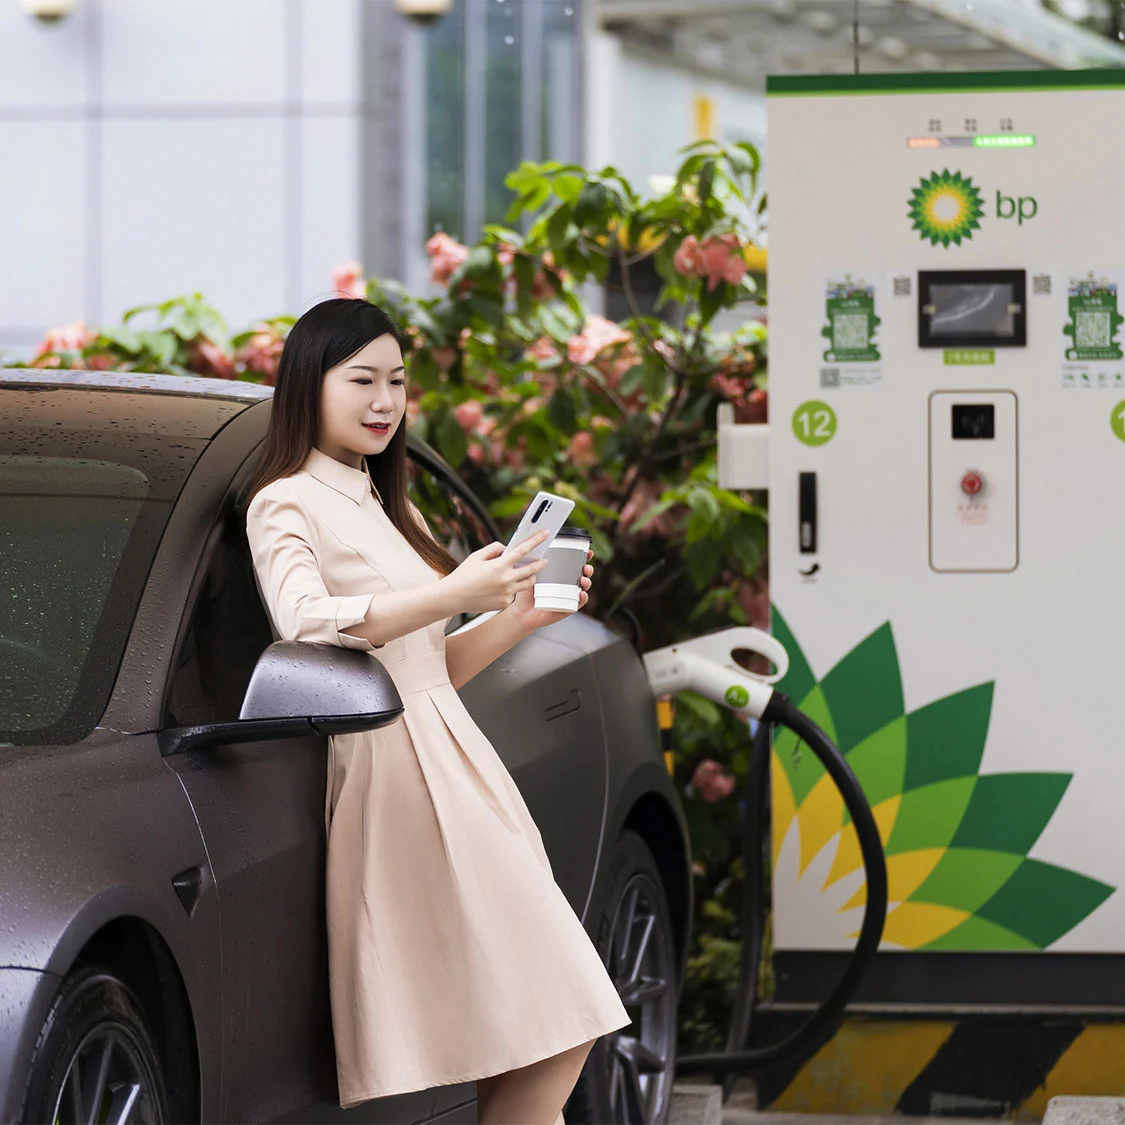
(453, 954)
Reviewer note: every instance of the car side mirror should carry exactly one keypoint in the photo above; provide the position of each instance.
(301, 688)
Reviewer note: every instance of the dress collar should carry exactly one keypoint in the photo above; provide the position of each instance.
(352, 483)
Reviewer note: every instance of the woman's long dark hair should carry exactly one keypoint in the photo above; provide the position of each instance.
(325, 336)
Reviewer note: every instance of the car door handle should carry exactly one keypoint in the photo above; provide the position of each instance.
(572, 703)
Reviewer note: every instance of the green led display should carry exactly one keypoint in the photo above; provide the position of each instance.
(1004, 140)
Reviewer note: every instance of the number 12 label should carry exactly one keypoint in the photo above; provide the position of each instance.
(814, 423)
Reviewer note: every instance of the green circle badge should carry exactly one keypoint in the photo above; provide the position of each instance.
(814, 423)
(1117, 421)
(737, 696)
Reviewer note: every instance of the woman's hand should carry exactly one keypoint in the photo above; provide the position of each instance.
(489, 579)
(532, 618)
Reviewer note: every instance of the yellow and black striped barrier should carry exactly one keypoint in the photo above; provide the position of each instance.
(1006, 1064)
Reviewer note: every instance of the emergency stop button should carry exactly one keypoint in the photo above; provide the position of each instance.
(972, 483)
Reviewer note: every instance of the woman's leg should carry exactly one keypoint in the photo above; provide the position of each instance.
(531, 1095)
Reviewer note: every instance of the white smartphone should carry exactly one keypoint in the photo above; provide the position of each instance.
(546, 511)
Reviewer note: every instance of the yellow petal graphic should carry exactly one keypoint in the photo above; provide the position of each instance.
(848, 856)
(905, 874)
(914, 924)
(820, 817)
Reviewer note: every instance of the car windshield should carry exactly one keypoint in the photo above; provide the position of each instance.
(87, 481)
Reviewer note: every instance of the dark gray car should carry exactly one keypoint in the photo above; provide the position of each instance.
(163, 953)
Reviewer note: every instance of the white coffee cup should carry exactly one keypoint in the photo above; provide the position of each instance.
(557, 585)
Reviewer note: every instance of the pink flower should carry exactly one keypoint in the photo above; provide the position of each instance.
(711, 781)
(506, 254)
(261, 352)
(209, 360)
(72, 337)
(722, 261)
(444, 357)
(717, 259)
(597, 335)
(541, 287)
(99, 361)
(581, 449)
(687, 258)
(543, 350)
(469, 414)
(412, 412)
(446, 254)
(347, 280)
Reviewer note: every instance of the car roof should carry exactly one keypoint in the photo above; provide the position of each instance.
(126, 402)
(193, 385)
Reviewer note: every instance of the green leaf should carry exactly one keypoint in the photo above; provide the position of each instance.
(568, 188)
(592, 206)
(706, 179)
(561, 412)
(451, 439)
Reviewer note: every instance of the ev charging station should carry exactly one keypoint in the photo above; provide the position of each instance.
(945, 459)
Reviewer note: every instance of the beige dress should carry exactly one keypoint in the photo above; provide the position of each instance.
(453, 953)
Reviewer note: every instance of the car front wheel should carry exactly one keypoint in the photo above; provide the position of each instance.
(628, 1074)
(95, 1059)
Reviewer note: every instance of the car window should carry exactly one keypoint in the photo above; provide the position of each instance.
(228, 630)
(77, 535)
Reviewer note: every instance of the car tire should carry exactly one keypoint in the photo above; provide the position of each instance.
(95, 1049)
(628, 1074)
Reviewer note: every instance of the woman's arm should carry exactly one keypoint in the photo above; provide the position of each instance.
(469, 653)
(282, 544)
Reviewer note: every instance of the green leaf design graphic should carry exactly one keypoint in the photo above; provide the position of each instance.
(1009, 811)
(966, 878)
(946, 737)
(864, 691)
(1041, 902)
(798, 681)
(984, 826)
(929, 817)
(978, 934)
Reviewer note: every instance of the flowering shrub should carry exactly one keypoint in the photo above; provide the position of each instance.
(520, 386)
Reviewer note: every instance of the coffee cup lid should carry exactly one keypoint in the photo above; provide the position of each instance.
(573, 533)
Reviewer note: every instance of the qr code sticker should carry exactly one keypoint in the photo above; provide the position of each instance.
(829, 376)
(849, 331)
(902, 287)
(1091, 329)
(1041, 284)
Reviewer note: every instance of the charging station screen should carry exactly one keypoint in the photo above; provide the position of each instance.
(974, 420)
(972, 310)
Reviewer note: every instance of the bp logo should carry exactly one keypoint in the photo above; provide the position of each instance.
(946, 208)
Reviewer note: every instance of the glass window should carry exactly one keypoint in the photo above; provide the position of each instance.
(229, 630)
(445, 125)
(502, 113)
(501, 87)
(76, 540)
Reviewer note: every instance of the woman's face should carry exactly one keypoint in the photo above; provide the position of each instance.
(362, 402)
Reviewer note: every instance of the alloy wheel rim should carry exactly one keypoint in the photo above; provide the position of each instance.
(640, 962)
(106, 1082)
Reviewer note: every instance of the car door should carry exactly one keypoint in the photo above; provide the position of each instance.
(260, 808)
(539, 706)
